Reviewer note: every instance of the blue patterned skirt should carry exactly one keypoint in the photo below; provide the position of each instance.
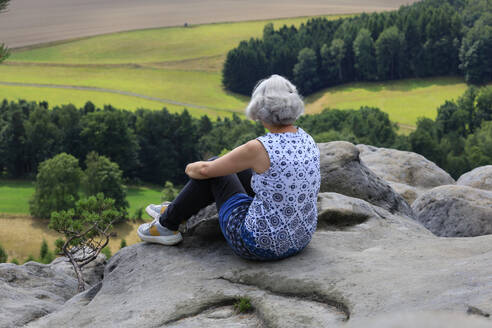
(231, 219)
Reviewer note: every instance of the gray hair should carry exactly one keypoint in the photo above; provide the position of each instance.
(275, 101)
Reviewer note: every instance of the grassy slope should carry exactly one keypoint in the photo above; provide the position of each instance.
(191, 87)
(21, 235)
(404, 100)
(80, 97)
(153, 45)
(170, 63)
(15, 195)
(181, 64)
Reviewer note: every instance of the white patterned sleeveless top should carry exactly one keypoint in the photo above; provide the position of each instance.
(283, 215)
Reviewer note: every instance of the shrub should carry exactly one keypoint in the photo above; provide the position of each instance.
(106, 251)
(102, 175)
(169, 192)
(243, 305)
(3, 255)
(57, 185)
(123, 243)
(45, 255)
(138, 214)
(30, 258)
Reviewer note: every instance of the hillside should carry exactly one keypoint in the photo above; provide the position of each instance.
(167, 67)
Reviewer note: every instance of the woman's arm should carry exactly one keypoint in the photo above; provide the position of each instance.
(250, 155)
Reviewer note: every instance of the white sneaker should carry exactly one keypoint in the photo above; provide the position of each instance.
(155, 211)
(154, 232)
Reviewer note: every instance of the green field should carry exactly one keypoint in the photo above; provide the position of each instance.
(403, 100)
(191, 87)
(15, 195)
(183, 65)
(21, 235)
(154, 45)
(56, 96)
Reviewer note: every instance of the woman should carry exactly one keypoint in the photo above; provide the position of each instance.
(265, 190)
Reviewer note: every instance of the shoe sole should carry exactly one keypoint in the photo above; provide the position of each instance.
(152, 214)
(163, 240)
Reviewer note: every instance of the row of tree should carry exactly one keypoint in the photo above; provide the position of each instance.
(155, 146)
(427, 38)
(150, 146)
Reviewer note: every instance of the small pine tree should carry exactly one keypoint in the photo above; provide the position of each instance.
(106, 251)
(44, 249)
(15, 261)
(87, 230)
(3, 255)
(138, 214)
(169, 192)
(30, 258)
(59, 246)
(123, 243)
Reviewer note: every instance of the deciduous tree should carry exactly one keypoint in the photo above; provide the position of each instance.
(104, 176)
(57, 185)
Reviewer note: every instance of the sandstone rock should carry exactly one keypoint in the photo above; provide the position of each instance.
(204, 223)
(481, 178)
(344, 173)
(32, 290)
(409, 193)
(455, 211)
(363, 262)
(422, 319)
(409, 174)
(92, 272)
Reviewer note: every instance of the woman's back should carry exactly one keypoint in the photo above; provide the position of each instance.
(283, 214)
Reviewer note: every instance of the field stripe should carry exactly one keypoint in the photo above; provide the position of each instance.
(125, 93)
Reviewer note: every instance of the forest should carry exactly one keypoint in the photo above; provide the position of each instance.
(427, 38)
(154, 146)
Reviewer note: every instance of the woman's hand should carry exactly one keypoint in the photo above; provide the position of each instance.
(193, 170)
(250, 155)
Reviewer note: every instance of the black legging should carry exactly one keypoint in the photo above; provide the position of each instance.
(198, 194)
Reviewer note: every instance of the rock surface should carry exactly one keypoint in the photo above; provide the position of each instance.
(363, 261)
(455, 211)
(343, 172)
(480, 178)
(32, 290)
(422, 319)
(409, 174)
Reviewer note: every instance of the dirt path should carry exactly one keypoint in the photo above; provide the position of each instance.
(125, 93)
(30, 22)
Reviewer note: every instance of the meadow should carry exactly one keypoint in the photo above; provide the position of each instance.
(21, 235)
(15, 195)
(404, 100)
(179, 67)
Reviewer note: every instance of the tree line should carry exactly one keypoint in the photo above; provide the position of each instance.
(151, 146)
(427, 38)
(154, 146)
